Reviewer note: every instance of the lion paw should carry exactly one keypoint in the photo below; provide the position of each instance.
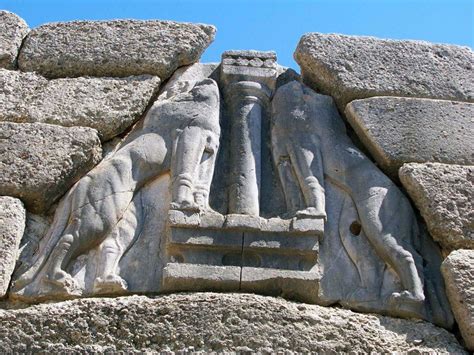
(185, 206)
(311, 212)
(110, 284)
(63, 282)
(407, 303)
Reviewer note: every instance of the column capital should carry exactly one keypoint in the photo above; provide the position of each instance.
(255, 66)
(248, 91)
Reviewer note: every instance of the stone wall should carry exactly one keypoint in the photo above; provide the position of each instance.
(127, 167)
(410, 104)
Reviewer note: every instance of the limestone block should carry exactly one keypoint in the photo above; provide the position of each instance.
(351, 67)
(444, 194)
(12, 225)
(109, 105)
(40, 162)
(190, 277)
(458, 273)
(212, 322)
(296, 285)
(401, 130)
(242, 222)
(113, 48)
(17, 91)
(12, 31)
(308, 224)
(241, 252)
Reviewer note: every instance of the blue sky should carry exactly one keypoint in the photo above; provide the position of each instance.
(274, 24)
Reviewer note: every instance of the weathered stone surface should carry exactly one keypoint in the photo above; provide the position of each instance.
(350, 67)
(402, 130)
(12, 31)
(248, 78)
(212, 322)
(39, 162)
(109, 105)
(184, 78)
(314, 155)
(36, 227)
(12, 225)
(333, 238)
(188, 277)
(115, 206)
(211, 252)
(17, 91)
(458, 272)
(444, 194)
(113, 48)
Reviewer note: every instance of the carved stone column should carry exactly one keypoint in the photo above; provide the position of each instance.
(249, 99)
(250, 78)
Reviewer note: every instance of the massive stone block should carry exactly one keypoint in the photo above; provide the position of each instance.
(17, 91)
(212, 322)
(444, 194)
(113, 48)
(39, 162)
(402, 130)
(458, 272)
(12, 225)
(12, 31)
(109, 105)
(349, 68)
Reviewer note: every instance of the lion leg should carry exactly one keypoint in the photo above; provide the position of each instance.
(112, 249)
(307, 164)
(206, 171)
(58, 261)
(281, 158)
(385, 232)
(87, 229)
(108, 280)
(189, 149)
(402, 261)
